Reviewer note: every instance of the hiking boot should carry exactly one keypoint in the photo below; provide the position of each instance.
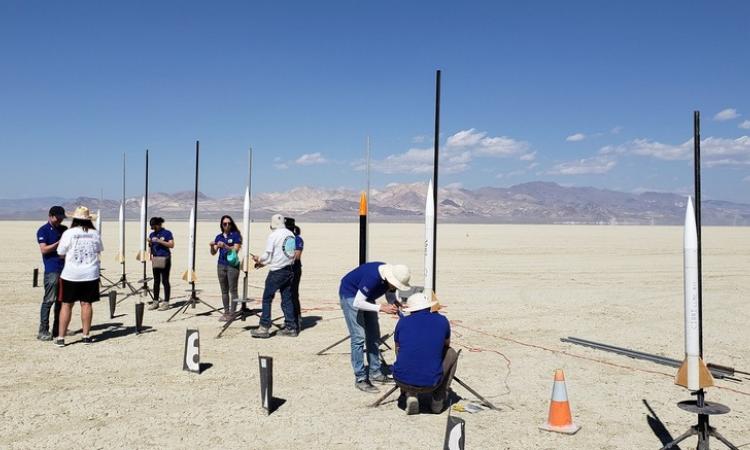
(381, 378)
(412, 405)
(366, 386)
(260, 332)
(163, 306)
(289, 332)
(87, 340)
(60, 342)
(44, 336)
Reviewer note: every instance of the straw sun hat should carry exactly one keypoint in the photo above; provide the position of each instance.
(82, 213)
(396, 274)
(418, 301)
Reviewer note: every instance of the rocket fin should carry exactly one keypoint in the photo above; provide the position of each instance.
(185, 277)
(705, 379)
(437, 307)
(120, 258)
(681, 378)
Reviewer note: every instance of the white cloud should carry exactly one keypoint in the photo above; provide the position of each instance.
(585, 166)
(459, 151)
(418, 139)
(745, 125)
(617, 129)
(309, 159)
(726, 114)
(576, 137)
(281, 166)
(513, 173)
(714, 151)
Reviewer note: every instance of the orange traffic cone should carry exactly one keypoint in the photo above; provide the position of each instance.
(560, 419)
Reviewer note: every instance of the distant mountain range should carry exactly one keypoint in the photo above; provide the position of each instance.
(533, 203)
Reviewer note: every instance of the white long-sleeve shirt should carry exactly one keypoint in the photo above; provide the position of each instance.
(360, 301)
(279, 251)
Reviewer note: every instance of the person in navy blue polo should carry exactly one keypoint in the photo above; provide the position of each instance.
(299, 246)
(48, 237)
(228, 271)
(161, 241)
(357, 294)
(424, 358)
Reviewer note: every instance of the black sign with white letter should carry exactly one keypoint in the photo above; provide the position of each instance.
(192, 359)
(455, 437)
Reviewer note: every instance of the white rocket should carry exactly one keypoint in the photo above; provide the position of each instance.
(142, 232)
(99, 221)
(693, 374)
(246, 229)
(429, 241)
(189, 274)
(120, 258)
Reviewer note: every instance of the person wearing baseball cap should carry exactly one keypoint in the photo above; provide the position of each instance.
(48, 237)
(357, 293)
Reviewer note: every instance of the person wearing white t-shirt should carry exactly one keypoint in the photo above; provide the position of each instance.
(279, 257)
(81, 245)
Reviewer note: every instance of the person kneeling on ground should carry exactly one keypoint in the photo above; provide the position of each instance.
(357, 294)
(424, 358)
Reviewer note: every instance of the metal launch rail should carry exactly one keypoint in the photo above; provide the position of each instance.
(718, 371)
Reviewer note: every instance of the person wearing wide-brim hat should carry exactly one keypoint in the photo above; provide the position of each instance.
(81, 245)
(358, 291)
(424, 359)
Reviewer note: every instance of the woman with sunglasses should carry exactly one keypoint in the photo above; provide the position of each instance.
(228, 268)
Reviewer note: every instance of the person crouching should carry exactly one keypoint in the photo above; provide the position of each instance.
(424, 359)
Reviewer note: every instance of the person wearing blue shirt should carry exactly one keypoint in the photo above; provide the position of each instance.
(228, 271)
(424, 358)
(48, 237)
(299, 246)
(357, 293)
(161, 241)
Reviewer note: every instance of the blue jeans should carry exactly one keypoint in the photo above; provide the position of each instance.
(51, 282)
(364, 328)
(279, 280)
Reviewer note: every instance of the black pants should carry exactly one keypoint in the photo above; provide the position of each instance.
(297, 269)
(161, 276)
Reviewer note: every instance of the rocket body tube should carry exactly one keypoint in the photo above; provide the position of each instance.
(121, 251)
(429, 241)
(693, 374)
(246, 228)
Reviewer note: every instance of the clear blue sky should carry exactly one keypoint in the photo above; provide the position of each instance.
(580, 93)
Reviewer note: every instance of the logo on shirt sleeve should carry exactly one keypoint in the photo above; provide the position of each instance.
(288, 246)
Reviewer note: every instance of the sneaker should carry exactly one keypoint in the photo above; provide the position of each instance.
(412, 405)
(60, 342)
(260, 332)
(44, 336)
(289, 332)
(87, 340)
(153, 305)
(437, 404)
(381, 378)
(366, 386)
(163, 306)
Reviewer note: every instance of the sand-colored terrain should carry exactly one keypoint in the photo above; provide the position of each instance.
(511, 292)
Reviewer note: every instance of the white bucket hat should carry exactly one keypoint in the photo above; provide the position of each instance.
(396, 274)
(277, 221)
(418, 301)
(83, 213)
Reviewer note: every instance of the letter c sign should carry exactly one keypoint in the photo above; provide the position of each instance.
(191, 361)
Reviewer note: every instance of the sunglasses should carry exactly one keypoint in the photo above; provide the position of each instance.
(226, 224)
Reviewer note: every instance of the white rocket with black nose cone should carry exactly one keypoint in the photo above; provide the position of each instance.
(142, 255)
(693, 374)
